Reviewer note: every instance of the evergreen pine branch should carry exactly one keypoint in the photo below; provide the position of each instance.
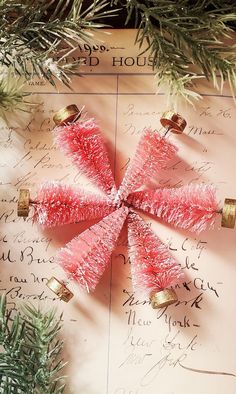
(37, 37)
(30, 358)
(184, 34)
(12, 95)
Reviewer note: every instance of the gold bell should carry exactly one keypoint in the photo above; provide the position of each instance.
(66, 115)
(163, 298)
(60, 289)
(23, 203)
(173, 122)
(229, 213)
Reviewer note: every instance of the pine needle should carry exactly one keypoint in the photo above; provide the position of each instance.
(36, 33)
(182, 35)
(12, 94)
(30, 359)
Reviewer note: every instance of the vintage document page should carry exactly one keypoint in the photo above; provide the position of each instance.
(115, 343)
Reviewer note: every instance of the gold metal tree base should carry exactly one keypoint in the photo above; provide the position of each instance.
(229, 213)
(66, 115)
(173, 122)
(60, 289)
(23, 203)
(163, 298)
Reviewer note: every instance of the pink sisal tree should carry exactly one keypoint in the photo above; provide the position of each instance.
(154, 270)
(192, 207)
(85, 257)
(152, 154)
(57, 204)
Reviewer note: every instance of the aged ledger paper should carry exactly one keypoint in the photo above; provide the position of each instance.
(115, 343)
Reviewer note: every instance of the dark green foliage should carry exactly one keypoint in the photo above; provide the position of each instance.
(183, 34)
(30, 352)
(34, 32)
(12, 95)
(185, 38)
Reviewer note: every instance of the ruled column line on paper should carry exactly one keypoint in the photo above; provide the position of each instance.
(110, 288)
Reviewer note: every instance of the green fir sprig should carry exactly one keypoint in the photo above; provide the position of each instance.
(12, 94)
(30, 360)
(38, 36)
(186, 38)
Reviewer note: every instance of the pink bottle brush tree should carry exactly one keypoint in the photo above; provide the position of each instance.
(154, 270)
(84, 144)
(57, 204)
(85, 257)
(192, 207)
